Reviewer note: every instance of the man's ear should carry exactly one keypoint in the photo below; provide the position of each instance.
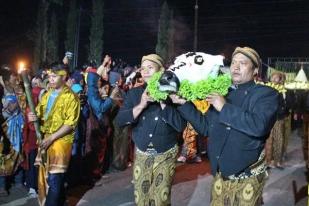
(256, 71)
(6, 82)
(1, 81)
(161, 69)
(64, 77)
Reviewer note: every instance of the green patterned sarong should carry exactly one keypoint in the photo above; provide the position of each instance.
(239, 192)
(153, 176)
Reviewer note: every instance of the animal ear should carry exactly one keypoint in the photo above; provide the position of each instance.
(198, 60)
(190, 54)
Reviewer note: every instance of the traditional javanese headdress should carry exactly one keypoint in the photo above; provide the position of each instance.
(59, 69)
(154, 58)
(251, 54)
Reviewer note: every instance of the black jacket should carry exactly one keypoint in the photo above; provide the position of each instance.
(298, 101)
(150, 126)
(283, 109)
(238, 133)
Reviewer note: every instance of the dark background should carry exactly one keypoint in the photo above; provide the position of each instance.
(272, 27)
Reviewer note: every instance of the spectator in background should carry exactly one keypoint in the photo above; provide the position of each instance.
(98, 105)
(30, 141)
(76, 170)
(104, 88)
(189, 149)
(11, 139)
(76, 78)
(305, 135)
(275, 143)
(97, 125)
(120, 136)
(298, 109)
(13, 102)
(135, 80)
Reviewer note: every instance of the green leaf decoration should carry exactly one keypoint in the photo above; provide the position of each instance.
(191, 91)
(153, 88)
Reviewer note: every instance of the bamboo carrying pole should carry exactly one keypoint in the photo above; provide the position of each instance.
(24, 75)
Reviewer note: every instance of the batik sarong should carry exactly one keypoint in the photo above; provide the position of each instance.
(275, 143)
(239, 192)
(152, 176)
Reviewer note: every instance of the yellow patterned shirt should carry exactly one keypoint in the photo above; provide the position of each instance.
(65, 111)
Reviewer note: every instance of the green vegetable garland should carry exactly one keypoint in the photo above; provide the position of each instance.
(191, 91)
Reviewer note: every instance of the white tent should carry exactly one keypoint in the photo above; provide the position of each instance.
(301, 76)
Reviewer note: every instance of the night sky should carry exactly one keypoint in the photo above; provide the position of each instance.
(272, 27)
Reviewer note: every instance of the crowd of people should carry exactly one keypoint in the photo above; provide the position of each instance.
(76, 122)
(101, 119)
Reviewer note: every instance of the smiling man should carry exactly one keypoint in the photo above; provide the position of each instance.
(237, 126)
(59, 111)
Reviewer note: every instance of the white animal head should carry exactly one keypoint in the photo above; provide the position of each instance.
(191, 66)
(195, 66)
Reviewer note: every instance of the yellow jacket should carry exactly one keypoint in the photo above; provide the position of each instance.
(65, 111)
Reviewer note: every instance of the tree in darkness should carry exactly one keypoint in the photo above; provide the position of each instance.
(40, 35)
(52, 53)
(164, 33)
(71, 27)
(96, 31)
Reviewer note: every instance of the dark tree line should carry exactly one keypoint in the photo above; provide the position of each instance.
(57, 30)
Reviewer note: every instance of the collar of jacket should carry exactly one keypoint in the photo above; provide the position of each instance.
(243, 86)
(64, 89)
(144, 85)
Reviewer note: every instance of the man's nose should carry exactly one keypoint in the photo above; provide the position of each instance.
(236, 66)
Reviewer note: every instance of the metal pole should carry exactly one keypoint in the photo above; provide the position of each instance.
(195, 25)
